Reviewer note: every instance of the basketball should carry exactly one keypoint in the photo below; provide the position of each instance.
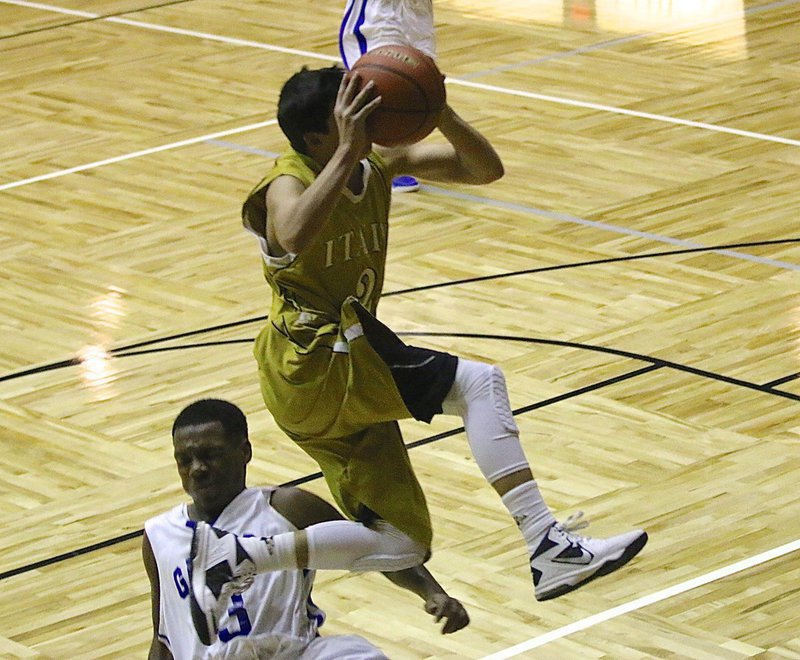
(412, 91)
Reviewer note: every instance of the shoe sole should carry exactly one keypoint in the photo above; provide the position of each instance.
(609, 567)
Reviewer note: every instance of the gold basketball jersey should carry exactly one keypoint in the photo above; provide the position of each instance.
(321, 380)
(347, 258)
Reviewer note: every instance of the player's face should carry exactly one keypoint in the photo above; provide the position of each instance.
(212, 467)
(323, 145)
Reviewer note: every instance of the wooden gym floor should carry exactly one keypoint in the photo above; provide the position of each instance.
(635, 274)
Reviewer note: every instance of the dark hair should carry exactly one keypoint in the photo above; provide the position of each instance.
(206, 411)
(306, 102)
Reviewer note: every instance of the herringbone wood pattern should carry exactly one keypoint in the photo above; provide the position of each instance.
(608, 247)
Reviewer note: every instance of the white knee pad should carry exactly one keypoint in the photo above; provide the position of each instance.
(394, 551)
(479, 396)
(478, 382)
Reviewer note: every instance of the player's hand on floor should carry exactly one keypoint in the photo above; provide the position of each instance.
(452, 611)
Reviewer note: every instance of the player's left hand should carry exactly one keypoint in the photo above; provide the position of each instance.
(452, 611)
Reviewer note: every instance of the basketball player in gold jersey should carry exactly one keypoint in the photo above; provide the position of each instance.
(336, 379)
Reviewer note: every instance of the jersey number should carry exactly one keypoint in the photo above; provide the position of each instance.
(236, 612)
(366, 287)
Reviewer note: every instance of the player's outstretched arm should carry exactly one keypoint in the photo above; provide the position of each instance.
(304, 509)
(157, 650)
(437, 602)
(468, 158)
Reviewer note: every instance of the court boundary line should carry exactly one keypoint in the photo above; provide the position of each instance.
(99, 545)
(650, 599)
(603, 226)
(59, 364)
(552, 215)
(552, 635)
(137, 154)
(655, 362)
(454, 81)
(89, 18)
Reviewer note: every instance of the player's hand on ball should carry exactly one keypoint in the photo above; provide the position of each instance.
(354, 103)
(452, 611)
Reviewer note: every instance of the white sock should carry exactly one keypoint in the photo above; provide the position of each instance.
(529, 511)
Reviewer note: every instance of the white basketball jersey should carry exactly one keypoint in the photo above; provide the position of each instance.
(369, 24)
(273, 618)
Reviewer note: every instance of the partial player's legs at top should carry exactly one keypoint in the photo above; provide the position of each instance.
(369, 24)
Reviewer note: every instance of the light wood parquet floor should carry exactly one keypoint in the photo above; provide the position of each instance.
(635, 274)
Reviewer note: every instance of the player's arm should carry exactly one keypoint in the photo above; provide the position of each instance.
(437, 602)
(304, 509)
(296, 213)
(158, 651)
(468, 158)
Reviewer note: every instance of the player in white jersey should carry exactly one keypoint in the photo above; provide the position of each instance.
(275, 617)
(369, 24)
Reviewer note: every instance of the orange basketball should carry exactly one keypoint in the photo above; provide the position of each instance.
(412, 91)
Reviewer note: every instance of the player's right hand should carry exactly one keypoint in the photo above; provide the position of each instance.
(448, 608)
(354, 103)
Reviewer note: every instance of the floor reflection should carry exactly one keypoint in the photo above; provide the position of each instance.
(718, 27)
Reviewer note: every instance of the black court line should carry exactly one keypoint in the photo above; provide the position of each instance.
(655, 364)
(596, 262)
(92, 19)
(768, 388)
(781, 381)
(261, 318)
(317, 475)
(72, 553)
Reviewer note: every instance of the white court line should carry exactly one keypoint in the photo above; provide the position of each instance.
(651, 599)
(603, 226)
(216, 37)
(212, 136)
(137, 154)
(453, 81)
(625, 111)
(553, 215)
(60, 10)
(173, 30)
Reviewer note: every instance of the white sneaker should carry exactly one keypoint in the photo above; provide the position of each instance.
(218, 568)
(564, 561)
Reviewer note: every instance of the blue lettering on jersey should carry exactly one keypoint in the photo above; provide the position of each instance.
(180, 582)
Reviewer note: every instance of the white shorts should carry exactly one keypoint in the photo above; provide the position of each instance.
(368, 24)
(342, 647)
(277, 647)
